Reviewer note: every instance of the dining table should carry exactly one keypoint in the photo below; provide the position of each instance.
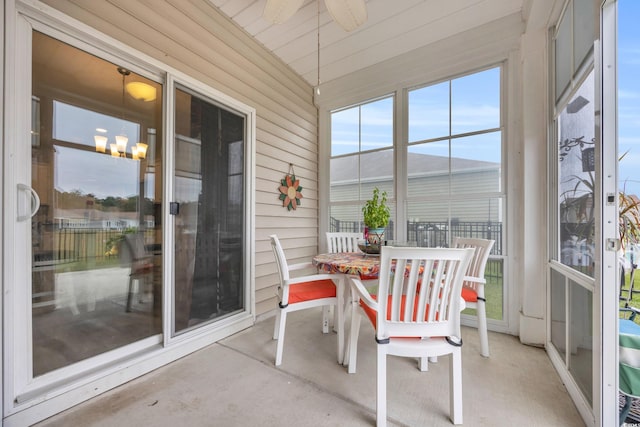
(365, 266)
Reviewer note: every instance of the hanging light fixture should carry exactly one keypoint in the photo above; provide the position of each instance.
(122, 140)
(141, 91)
(119, 148)
(349, 14)
(141, 149)
(121, 143)
(114, 150)
(101, 143)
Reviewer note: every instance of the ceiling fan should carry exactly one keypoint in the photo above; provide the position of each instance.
(349, 14)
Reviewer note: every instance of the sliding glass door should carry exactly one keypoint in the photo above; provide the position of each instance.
(94, 205)
(127, 204)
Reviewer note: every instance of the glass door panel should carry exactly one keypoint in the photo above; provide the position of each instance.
(209, 205)
(576, 165)
(96, 255)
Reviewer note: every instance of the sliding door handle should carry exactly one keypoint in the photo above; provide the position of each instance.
(35, 202)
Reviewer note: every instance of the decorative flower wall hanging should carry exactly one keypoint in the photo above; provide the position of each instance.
(290, 190)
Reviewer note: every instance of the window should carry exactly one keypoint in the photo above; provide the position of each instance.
(573, 171)
(362, 157)
(453, 174)
(454, 167)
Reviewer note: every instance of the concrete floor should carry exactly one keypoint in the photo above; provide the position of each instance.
(234, 383)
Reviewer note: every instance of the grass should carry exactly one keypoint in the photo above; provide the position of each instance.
(635, 298)
(493, 291)
(493, 295)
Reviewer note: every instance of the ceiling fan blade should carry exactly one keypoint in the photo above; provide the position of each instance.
(349, 14)
(278, 11)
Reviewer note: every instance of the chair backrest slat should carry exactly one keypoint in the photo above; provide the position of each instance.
(343, 242)
(283, 269)
(419, 291)
(281, 259)
(482, 249)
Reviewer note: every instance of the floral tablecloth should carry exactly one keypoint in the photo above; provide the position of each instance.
(353, 263)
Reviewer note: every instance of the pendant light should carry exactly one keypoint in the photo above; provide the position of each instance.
(122, 140)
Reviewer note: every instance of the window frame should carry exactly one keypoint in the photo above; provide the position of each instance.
(361, 198)
(400, 148)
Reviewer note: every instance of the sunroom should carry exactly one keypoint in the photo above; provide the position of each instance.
(144, 144)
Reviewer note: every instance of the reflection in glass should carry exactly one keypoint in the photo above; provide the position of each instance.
(209, 187)
(576, 165)
(97, 259)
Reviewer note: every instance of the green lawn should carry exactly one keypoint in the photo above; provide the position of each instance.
(635, 299)
(493, 295)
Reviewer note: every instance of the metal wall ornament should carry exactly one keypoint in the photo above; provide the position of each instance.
(290, 190)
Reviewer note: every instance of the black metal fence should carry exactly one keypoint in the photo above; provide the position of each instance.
(438, 234)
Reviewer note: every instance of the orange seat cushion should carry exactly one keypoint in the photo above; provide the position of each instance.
(373, 314)
(309, 291)
(469, 294)
(368, 277)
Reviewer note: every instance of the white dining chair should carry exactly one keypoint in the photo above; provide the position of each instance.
(302, 292)
(474, 281)
(343, 242)
(416, 314)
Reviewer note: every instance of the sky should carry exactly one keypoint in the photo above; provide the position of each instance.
(473, 102)
(629, 96)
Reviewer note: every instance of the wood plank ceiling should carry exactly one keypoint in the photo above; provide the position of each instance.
(393, 27)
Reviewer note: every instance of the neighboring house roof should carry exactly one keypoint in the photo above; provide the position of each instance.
(381, 166)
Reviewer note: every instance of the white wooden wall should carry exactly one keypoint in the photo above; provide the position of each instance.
(195, 38)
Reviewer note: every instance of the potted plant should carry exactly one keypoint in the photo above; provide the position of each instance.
(376, 215)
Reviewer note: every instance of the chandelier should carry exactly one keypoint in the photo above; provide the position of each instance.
(119, 148)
